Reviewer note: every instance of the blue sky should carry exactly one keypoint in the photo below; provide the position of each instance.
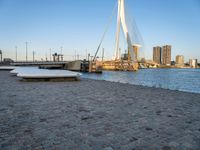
(77, 25)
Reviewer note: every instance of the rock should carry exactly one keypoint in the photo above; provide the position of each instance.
(133, 139)
(189, 122)
(166, 148)
(86, 118)
(169, 116)
(158, 112)
(148, 129)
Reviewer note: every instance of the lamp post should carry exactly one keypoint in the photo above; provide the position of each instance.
(16, 53)
(75, 55)
(26, 51)
(50, 54)
(33, 56)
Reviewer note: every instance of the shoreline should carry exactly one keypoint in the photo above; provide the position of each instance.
(153, 87)
(95, 114)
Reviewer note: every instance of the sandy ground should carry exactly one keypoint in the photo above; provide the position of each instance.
(96, 115)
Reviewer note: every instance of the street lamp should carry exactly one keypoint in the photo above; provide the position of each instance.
(16, 53)
(26, 51)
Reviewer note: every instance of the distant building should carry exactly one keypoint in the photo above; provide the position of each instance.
(193, 63)
(180, 60)
(157, 54)
(1, 56)
(166, 55)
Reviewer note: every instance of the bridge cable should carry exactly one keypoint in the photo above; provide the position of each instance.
(106, 29)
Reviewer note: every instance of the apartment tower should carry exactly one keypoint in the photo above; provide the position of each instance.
(157, 54)
(166, 55)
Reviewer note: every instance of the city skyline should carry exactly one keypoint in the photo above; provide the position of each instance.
(77, 26)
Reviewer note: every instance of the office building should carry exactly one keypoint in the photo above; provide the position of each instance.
(157, 54)
(166, 55)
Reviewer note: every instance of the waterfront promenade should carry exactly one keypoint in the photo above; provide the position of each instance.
(96, 115)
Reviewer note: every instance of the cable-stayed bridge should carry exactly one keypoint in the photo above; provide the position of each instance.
(133, 38)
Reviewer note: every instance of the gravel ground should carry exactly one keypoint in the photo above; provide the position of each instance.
(96, 115)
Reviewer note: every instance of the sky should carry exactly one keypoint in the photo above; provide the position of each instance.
(77, 26)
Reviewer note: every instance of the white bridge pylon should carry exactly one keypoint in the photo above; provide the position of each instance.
(121, 22)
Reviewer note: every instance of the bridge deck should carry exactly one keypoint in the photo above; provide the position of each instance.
(39, 63)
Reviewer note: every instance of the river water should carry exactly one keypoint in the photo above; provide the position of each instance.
(187, 80)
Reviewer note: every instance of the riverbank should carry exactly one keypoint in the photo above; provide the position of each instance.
(90, 114)
(185, 80)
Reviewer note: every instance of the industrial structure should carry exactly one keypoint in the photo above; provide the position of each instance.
(57, 57)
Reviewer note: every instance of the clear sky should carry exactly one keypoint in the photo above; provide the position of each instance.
(77, 25)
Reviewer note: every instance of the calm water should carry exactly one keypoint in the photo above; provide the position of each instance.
(175, 79)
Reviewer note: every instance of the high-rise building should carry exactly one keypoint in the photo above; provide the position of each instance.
(157, 54)
(166, 55)
(180, 60)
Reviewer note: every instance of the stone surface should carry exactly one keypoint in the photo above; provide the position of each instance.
(94, 115)
(108, 148)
